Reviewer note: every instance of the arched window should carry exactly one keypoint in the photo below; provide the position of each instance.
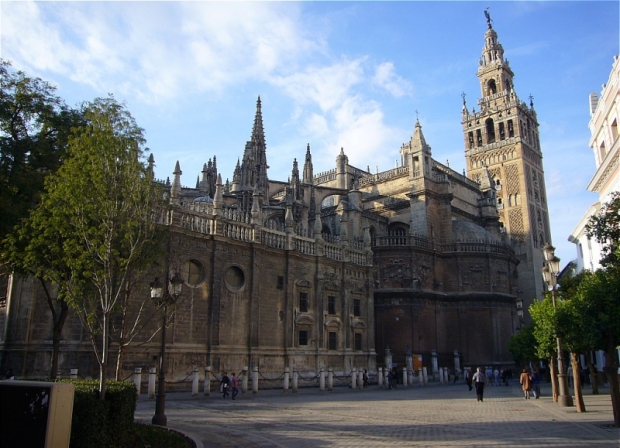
(373, 234)
(492, 87)
(398, 234)
(490, 128)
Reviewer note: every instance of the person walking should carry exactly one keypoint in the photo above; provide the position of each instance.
(365, 379)
(233, 385)
(480, 381)
(468, 378)
(536, 383)
(526, 383)
(225, 385)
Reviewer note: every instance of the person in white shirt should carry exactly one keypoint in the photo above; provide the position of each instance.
(480, 382)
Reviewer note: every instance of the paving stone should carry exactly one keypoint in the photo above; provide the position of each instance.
(434, 416)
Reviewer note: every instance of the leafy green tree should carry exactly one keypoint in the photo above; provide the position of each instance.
(104, 203)
(36, 249)
(35, 126)
(605, 228)
(34, 130)
(544, 318)
(522, 346)
(598, 304)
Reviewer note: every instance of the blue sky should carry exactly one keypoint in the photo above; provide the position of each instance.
(332, 74)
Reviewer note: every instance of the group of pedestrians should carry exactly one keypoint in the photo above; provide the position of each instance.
(530, 383)
(229, 383)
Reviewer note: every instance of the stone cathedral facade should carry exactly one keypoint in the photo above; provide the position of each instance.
(339, 268)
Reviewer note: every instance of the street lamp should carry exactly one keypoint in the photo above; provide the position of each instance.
(519, 303)
(163, 298)
(550, 274)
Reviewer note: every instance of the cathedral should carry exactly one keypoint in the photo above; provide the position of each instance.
(340, 269)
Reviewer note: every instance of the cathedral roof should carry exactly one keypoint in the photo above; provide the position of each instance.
(464, 231)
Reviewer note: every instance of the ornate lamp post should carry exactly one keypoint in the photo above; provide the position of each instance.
(164, 298)
(550, 274)
(519, 303)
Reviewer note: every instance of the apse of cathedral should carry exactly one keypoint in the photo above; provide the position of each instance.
(344, 269)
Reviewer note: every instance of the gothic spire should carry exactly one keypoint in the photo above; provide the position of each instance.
(258, 133)
(308, 169)
(418, 142)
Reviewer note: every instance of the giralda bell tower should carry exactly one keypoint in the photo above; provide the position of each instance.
(502, 135)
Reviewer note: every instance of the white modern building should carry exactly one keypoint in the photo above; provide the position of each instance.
(604, 141)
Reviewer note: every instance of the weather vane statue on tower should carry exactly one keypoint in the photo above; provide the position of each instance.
(488, 16)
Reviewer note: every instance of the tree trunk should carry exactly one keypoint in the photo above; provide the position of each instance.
(59, 322)
(103, 367)
(56, 335)
(581, 407)
(611, 370)
(554, 378)
(119, 360)
(593, 374)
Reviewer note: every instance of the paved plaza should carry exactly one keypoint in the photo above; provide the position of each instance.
(435, 416)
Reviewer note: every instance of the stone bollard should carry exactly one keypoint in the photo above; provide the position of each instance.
(425, 372)
(207, 388)
(244, 380)
(255, 380)
(330, 379)
(286, 374)
(137, 379)
(322, 379)
(295, 378)
(380, 377)
(446, 373)
(353, 377)
(73, 374)
(152, 379)
(405, 381)
(441, 381)
(420, 377)
(435, 371)
(195, 380)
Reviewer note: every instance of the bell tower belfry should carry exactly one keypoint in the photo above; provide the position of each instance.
(502, 136)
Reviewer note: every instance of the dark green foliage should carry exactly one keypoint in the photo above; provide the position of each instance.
(102, 423)
(157, 437)
(121, 397)
(605, 228)
(34, 129)
(522, 346)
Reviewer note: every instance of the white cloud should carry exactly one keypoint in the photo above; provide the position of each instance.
(326, 86)
(385, 78)
(158, 52)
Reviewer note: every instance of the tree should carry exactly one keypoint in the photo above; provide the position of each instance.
(522, 346)
(35, 126)
(34, 130)
(107, 200)
(605, 228)
(36, 249)
(599, 304)
(544, 317)
(599, 294)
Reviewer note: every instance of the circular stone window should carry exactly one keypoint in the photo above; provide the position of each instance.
(193, 273)
(234, 278)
